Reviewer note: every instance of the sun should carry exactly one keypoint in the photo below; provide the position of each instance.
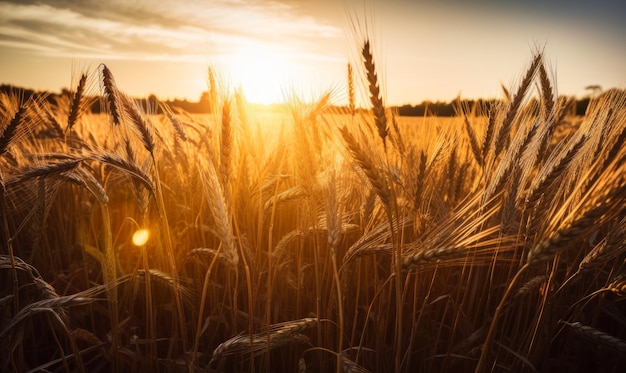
(263, 73)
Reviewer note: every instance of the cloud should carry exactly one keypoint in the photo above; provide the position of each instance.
(148, 30)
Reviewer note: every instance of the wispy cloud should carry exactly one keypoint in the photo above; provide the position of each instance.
(148, 30)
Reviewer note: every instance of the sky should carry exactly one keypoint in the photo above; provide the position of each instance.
(424, 50)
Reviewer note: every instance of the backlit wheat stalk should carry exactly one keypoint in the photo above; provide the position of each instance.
(289, 332)
(111, 94)
(374, 91)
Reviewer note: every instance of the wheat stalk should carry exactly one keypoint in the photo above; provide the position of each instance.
(554, 168)
(473, 140)
(86, 180)
(616, 147)
(277, 335)
(375, 97)
(111, 94)
(531, 285)
(333, 225)
(45, 290)
(351, 92)
(55, 130)
(212, 90)
(226, 146)
(349, 366)
(292, 194)
(176, 123)
(610, 248)
(507, 169)
(605, 206)
(57, 303)
(463, 242)
(514, 105)
(618, 286)
(140, 193)
(597, 336)
(205, 252)
(546, 90)
(77, 99)
(367, 165)
(168, 282)
(46, 170)
(9, 132)
(240, 100)
(86, 336)
(219, 210)
(140, 123)
(129, 168)
(396, 136)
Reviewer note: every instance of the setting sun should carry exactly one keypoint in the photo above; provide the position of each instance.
(263, 73)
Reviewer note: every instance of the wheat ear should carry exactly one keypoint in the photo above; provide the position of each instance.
(351, 92)
(226, 145)
(291, 194)
(366, 164)
(616, 148)
(176, 123)
(77, 100)
(110, 94)
(277, 335)
(46, 170)
(374, 89)
(618, 286)
(587, 222)
(531, 285)
(553, 168)
(140, 124)
(396, 136)
(505, 129)
(57, 303)
(219, 210)
(611, 247)
(489, 131)
(473, 140)
(212, 90)
(597, 336)
(546, 90)
(129, 168)
(10, 130)
(167, 281)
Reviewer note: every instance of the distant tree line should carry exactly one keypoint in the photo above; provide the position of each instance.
(481, 107)
(204, 104)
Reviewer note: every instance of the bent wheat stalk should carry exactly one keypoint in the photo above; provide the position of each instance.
(597, 336)
(280, 334)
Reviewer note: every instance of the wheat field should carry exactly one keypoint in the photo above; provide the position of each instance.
(351, 242)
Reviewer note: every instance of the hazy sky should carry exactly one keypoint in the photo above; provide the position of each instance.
(424, 49)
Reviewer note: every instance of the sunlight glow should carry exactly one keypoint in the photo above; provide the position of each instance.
(140, 237)
(263, 74)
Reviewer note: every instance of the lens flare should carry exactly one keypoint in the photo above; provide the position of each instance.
(140, 237)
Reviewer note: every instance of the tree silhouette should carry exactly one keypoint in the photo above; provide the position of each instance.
(594, 89)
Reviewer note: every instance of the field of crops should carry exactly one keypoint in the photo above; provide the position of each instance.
(312, 241)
